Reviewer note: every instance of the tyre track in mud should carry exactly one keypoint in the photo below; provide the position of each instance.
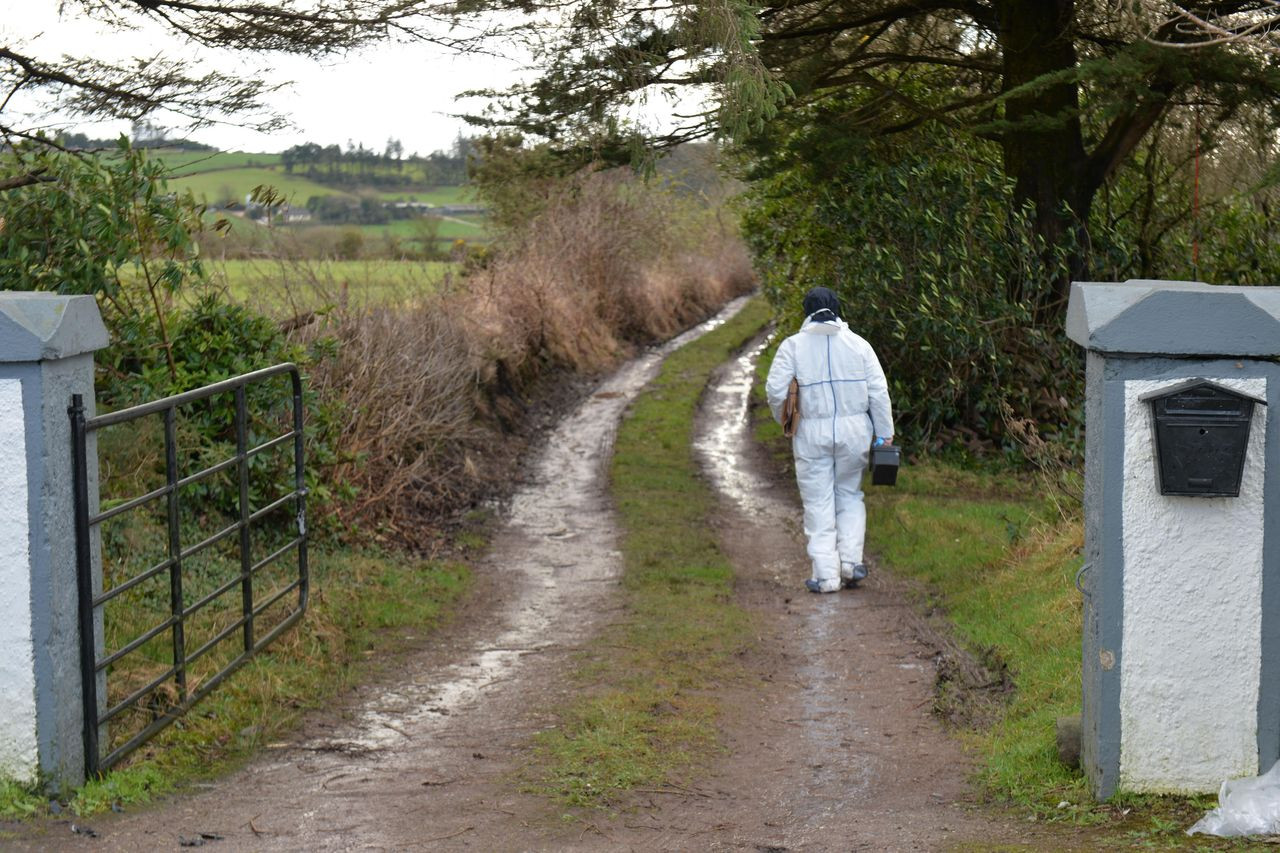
(830, 741)
(429, 762)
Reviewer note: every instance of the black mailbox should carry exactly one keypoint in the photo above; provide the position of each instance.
(1201, 432)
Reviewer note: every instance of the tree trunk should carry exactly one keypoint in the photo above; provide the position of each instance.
(1044, 147)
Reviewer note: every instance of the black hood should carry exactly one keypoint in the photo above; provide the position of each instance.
(818, 299)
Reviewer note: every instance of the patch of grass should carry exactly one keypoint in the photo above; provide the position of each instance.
(276, 284)
(435, 195)
(358, 598)
(233, 184)
(1002, 568)
(182, 163)
(133, 785)
(470, 228)
(643, 714)
(19, 801)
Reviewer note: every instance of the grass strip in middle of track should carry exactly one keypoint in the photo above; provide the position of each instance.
(643, 711)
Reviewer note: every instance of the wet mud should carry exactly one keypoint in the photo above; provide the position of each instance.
(831, 744)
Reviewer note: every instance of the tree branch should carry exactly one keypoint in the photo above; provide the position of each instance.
(1124, 134)
(1211, 24)
(93, 88)
(892, 14)
(36, 177)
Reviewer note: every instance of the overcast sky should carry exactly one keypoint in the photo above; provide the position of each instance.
(405, 91)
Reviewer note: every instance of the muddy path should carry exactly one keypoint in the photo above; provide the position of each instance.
(831, 744)
(430, 759)
(829, 741)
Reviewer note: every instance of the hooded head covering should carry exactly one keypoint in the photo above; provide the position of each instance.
(821, 299)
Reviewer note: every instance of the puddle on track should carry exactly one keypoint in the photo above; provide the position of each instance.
(558, 547)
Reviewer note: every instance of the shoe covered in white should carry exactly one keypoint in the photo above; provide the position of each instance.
(822, 586)
(851, 573)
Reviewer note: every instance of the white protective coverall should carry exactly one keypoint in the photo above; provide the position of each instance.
(844, 404)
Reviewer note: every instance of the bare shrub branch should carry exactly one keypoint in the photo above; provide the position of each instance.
(607, 263)
(1254, 22)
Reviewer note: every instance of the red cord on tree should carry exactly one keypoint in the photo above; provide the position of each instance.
(1195, 200)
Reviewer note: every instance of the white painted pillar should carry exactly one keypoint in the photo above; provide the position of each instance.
(47, 343)
(18, 753)
(1181, 648)
(1192, 623)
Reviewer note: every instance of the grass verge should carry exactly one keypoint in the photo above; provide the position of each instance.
(643, 713)
(364, 605)
(999, 558)
(1002, 567)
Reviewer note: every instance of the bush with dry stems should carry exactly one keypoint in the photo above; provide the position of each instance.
(608, 265)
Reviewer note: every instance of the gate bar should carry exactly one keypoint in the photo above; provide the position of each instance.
(175, 550)
(246, 558)
(90, 667)
(84, 585)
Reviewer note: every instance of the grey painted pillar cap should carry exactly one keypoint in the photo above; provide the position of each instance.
(1175, 318)
(48, 326)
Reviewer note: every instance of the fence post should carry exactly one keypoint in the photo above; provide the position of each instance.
(47, 343)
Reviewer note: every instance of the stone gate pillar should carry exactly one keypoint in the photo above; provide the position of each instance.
(46, 355)
(1181, 650)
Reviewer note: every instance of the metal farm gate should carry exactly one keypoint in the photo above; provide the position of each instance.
(214, 546)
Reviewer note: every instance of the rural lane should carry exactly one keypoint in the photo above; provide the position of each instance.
(830, 744)
(427, 760)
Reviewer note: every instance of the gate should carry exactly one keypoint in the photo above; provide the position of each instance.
(201, 595)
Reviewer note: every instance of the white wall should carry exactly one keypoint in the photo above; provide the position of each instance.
(1191, 644)
(18, 751)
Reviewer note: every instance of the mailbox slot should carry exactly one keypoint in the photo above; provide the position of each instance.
(1200, 436)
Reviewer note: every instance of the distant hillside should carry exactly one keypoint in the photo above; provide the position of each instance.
(225, 177)
(391, 221)
(390, 169)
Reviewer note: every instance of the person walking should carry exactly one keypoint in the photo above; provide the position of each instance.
(844, 407)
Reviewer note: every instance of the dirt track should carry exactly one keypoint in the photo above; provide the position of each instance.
(830, 744)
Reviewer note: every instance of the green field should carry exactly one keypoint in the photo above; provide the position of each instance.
(230, 177)
(469, 228)
(222, 185)
(437, 196)
(294, 286)
(182, 163)
(221, 177)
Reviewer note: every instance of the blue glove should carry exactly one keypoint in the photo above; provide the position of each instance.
(878, 442)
